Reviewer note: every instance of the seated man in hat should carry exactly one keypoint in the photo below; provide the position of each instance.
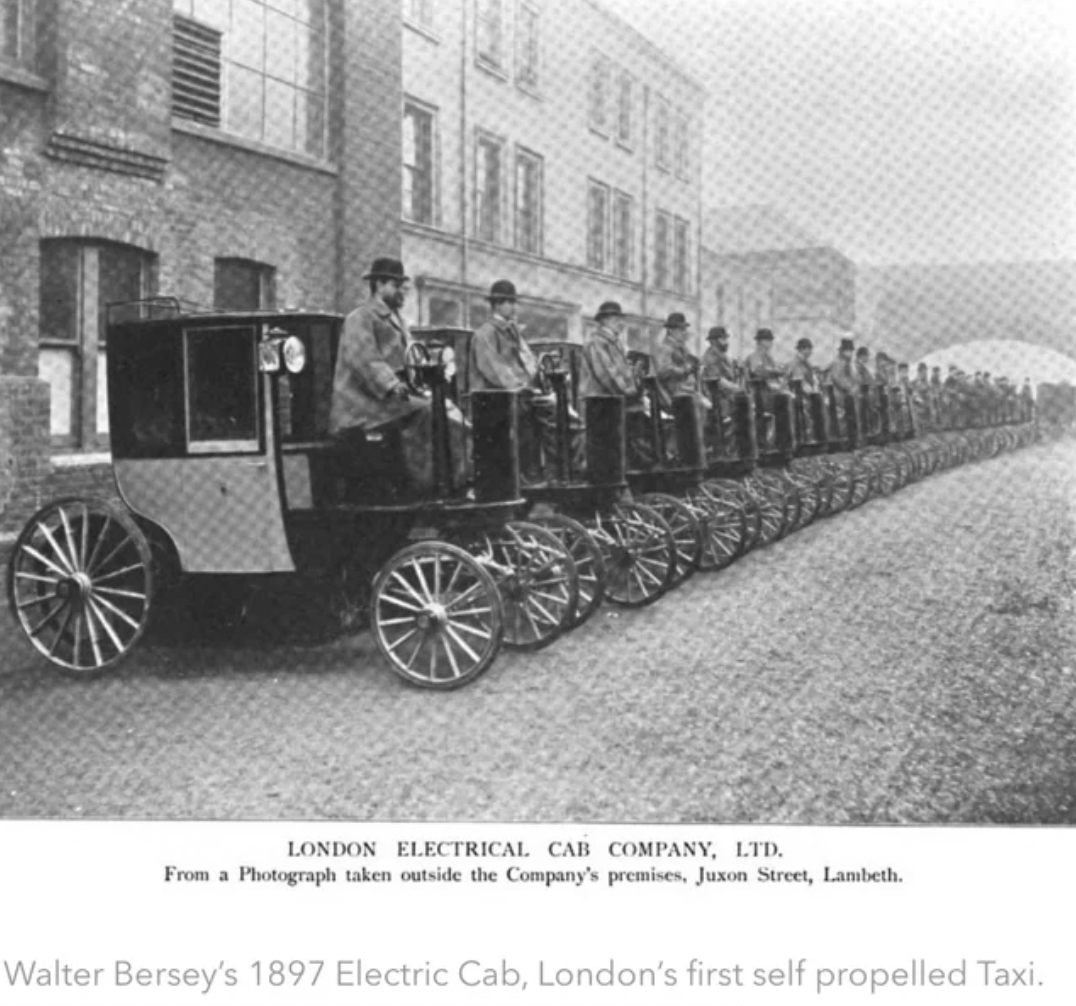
(799, 368)
(762, 367)
(605, 370)
(369, 393)
(841, 372)
(722, 373)
(677, 373)
(502, 360)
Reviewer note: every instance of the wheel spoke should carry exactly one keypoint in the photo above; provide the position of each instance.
(537, 605)
(48, 619)
(42, 599)
(465, 596)
(391, 647)
(451, 628)
(434, 639)
(91, 603)
(422, 581)
(406, 620)
(116, 592)
(123, 542)
(401, 602)
(534, 625)
(33, 552)
(118, 612)
(91, 563)
(118, 572)
(62, 630)
(51, 580)
(57, 551)
(69, 538)
(410, 590)
(91, 631)
(451, 656)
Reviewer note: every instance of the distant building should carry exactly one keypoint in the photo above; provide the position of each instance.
(761, 270)
(237, 152)
(547, 142)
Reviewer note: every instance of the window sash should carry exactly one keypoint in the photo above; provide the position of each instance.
(599, 91)
(681, 144)
(418, 165)
(623, 236)
(528, 56)
(597, 225)
(488, 190)
(662, 135)
(680, 255)
(490, 31)
(625, 102)
(661, 250)
(529, 203)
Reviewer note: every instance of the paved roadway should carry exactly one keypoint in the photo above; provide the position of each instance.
(912, 661)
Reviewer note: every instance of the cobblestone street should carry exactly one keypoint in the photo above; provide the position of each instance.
(911, 661)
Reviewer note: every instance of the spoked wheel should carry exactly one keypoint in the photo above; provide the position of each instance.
(813, 488)
(862, 483)
(687, 532)
(80, 584)
(771, 509)
(589, 565)
(639, 552)
(726, 497)
(436, 615)
(537, 580)
(839, 474)
(723, 526)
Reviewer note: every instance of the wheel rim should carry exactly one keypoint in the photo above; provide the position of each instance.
(537, 581)
(436, 615)
(80, 584)
(639, 554)
(722, 532)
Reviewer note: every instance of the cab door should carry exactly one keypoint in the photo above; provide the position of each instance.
(221, 500)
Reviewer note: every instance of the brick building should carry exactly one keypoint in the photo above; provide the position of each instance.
(547, 142)
(761, 270)
(222, 151)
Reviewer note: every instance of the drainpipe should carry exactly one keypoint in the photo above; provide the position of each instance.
(643, 254)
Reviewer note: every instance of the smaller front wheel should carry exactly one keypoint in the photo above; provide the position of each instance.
(436, 615)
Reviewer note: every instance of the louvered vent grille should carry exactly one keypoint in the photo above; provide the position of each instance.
(196, 72)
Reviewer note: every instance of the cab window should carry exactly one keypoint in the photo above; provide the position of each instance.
(222, 389)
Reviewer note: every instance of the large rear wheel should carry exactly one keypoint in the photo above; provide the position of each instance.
(80, 584)
(639, 553)
(589, 565)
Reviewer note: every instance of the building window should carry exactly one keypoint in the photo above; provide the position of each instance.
(661, 250)
(419, 177)
(528, 209)
(419, 12)
(681, 147)
(79, 280)
(490, 28)
(681, 270)
(661, 135)
(242, 285)
(489, 188)
(16, 32)
(599, 92)
(625, 99)
(623, 235)
(257, 67)
(597, 226)
(527, 40)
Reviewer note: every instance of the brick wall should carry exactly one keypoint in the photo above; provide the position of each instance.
(93, 153)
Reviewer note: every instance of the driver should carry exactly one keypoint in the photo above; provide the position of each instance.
(369, 391)
(501, 360)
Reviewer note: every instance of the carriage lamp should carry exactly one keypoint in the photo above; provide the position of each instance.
(279, 349)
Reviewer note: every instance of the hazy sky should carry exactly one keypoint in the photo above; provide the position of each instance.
(900, 130)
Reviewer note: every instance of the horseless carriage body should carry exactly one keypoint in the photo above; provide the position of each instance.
(222, 454)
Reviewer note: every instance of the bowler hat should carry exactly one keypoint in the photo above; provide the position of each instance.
(922, 366)
(503, 289)
(846, 346)
(804, 344)
(610, 309)
(715, 333)
(387, 268)
(863, 351)
(676, 320)
(763, 333)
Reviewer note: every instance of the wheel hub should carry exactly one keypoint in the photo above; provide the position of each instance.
(433, 618)
(75, 587)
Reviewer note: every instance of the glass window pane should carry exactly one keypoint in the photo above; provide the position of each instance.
(281, 50)
(246, 40)
(9, 29)
(310, 59)
(121, 273)
(102, 394)
(245, 97)
(221, 385)
(279, 114)
(58, 288)
(57, 368)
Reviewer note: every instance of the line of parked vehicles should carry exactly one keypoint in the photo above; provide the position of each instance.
(223, 462)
